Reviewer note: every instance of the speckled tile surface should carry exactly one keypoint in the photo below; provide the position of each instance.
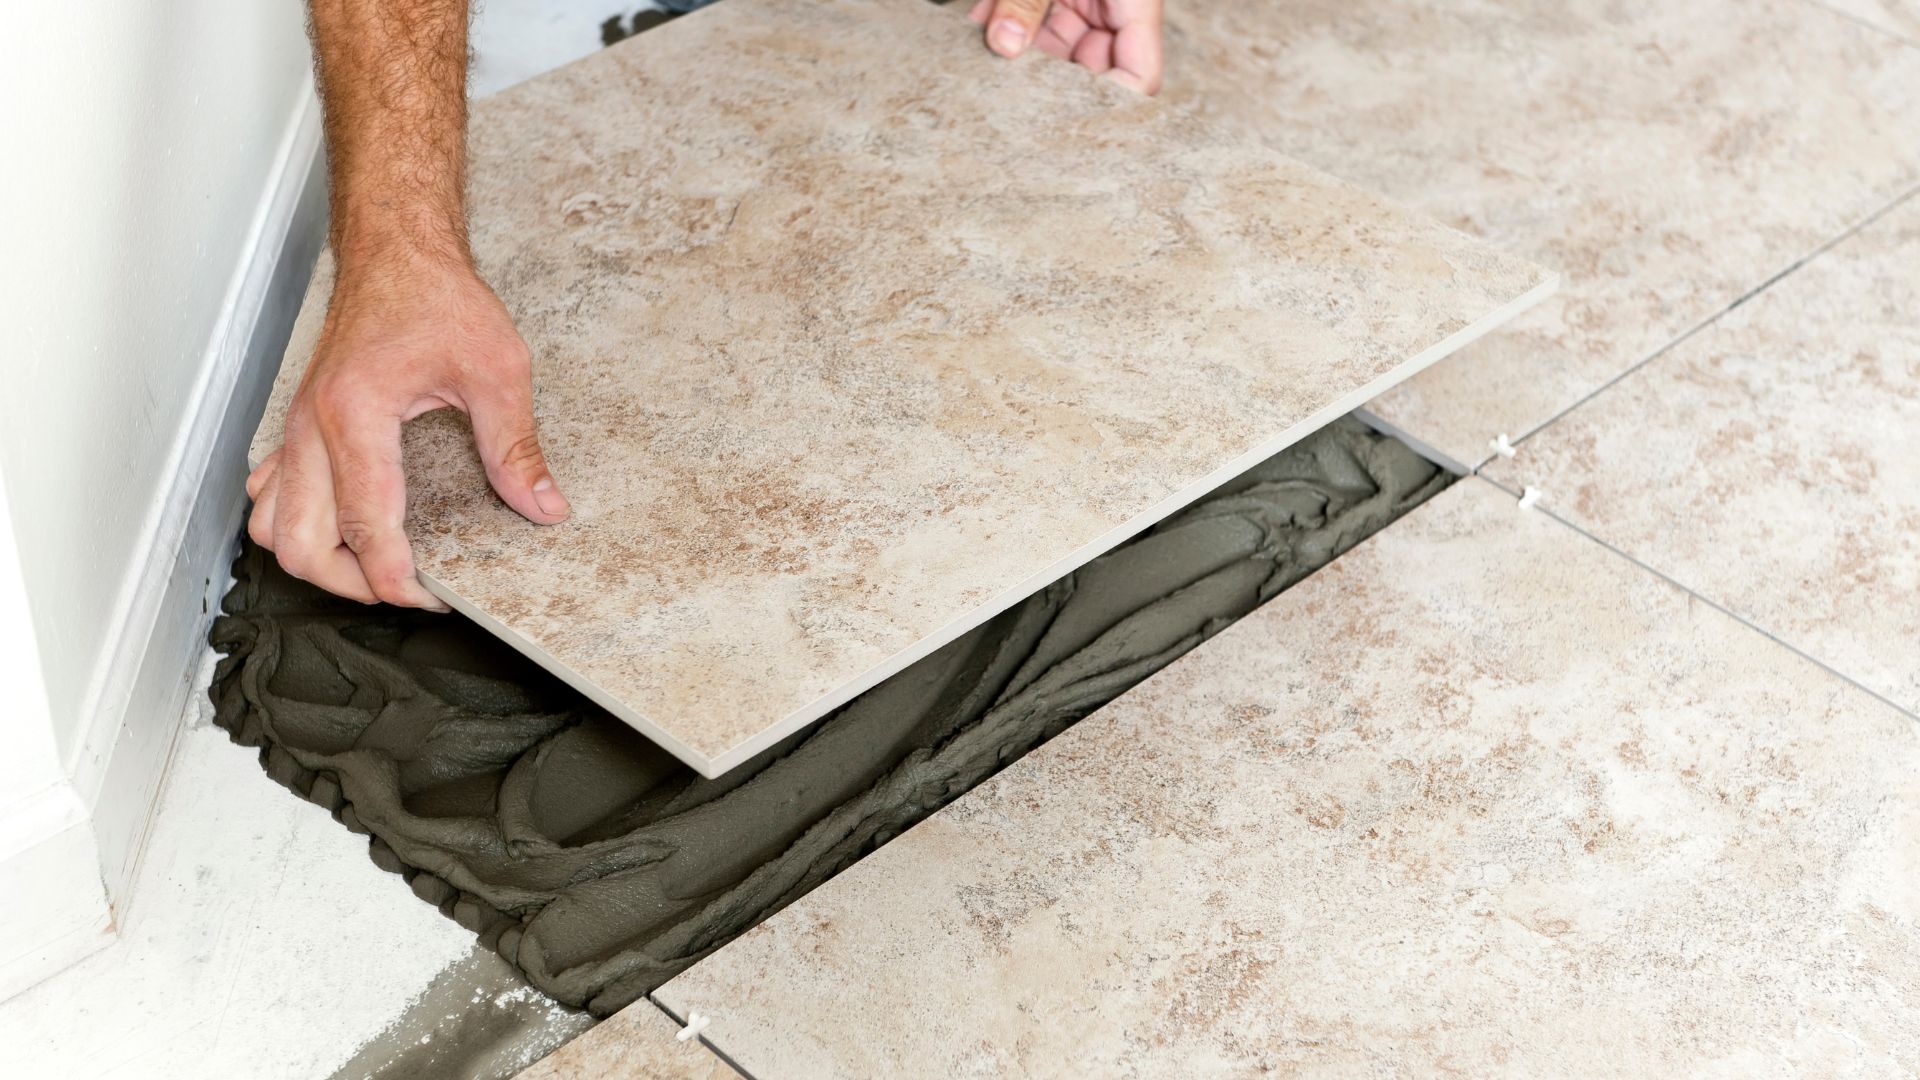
(1481, 797)
(1667, 158)
(1899, 17)
(1772, 462)
(838, 355)
(636, 1043)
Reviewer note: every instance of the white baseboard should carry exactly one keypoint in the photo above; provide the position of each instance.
(50, 893)
(140, 691)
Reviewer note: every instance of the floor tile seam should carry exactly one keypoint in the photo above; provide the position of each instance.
(1868, 23)
(1710, 602)
(1894, 204)
(680, 1022)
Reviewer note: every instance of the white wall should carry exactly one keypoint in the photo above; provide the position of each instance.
(154, 152)
(149, 130)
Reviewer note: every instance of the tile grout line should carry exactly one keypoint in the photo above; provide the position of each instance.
(704, 1041)
(1715, 605)
(1898, 200)
(1870, 25)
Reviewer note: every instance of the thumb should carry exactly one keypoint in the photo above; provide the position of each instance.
(1013, 24)
(503, 432)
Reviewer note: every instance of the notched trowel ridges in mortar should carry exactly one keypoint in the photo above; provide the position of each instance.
(599, 865)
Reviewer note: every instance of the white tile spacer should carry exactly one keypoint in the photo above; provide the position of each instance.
(696, 1023)
(1528, 497)
(1502, 445)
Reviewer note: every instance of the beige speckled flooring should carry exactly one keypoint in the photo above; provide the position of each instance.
(1772, 461)
(1481, 796)
(638, 1043)
(1667, 158)
(838, 356)
(1624, 786)
(1899, 17)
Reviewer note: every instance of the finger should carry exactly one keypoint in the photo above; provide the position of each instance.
(1095, 52)
(980, 10)
(1062, 31)
(370, 496)
(261, 474)
(1014, 24)
(509, 445)
(306, 531)
(1137, 60)
(266, 498)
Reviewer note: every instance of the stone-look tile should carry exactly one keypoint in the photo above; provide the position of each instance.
(636, 1043)
(1772, 462)
(1480, 797)
(1898, 17)
(839, 353)
(1666, 158)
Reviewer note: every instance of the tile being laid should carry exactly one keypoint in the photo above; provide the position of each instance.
(1772, 462)
(838, 355)
(1480, 797)
(1897, 17)
(1666, 158)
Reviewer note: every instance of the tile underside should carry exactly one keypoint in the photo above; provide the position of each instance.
(1479, 796)
(837, 357)
(1666, 158)
(1772, 462)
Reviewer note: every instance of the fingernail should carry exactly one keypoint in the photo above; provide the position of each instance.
(549, 497)
(1008, 37)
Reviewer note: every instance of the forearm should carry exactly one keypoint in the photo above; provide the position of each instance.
(392, 76)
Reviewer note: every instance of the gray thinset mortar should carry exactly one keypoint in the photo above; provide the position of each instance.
(600, 866)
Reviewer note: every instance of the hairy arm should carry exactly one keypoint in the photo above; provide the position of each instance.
(411, 326)
(392, 76)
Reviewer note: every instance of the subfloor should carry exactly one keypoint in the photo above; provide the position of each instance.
(1727, 420)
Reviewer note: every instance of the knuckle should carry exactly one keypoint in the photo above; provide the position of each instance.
(357, 535)
(390, 587)
(522, 452)
(332, 398)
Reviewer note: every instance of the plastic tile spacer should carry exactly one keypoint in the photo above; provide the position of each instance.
(1529, 496)
(696, 1023)
(1502, 445)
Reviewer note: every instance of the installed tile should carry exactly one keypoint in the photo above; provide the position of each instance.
(1901, 17)
(1667, 158)
(1772, 462)
(1479, 797)
(637, 1043)
(837, 356)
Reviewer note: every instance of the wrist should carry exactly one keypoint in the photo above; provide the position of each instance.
(382, 247)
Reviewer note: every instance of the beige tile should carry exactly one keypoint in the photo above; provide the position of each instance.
(1898, 17)
(1481, 797)
(838, 355)
(1667, 158)
(636, 1043)
(1772, 462)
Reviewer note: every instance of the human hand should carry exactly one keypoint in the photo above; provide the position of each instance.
(1117, 38)
(400, 339)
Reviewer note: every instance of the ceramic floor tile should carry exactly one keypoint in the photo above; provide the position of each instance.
(1898, 17)
(838, 356)
(1772, 462)
(637, 1043)
(1666, 158)
(1479, 797)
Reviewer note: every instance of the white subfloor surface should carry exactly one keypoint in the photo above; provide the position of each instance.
(262, 941)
